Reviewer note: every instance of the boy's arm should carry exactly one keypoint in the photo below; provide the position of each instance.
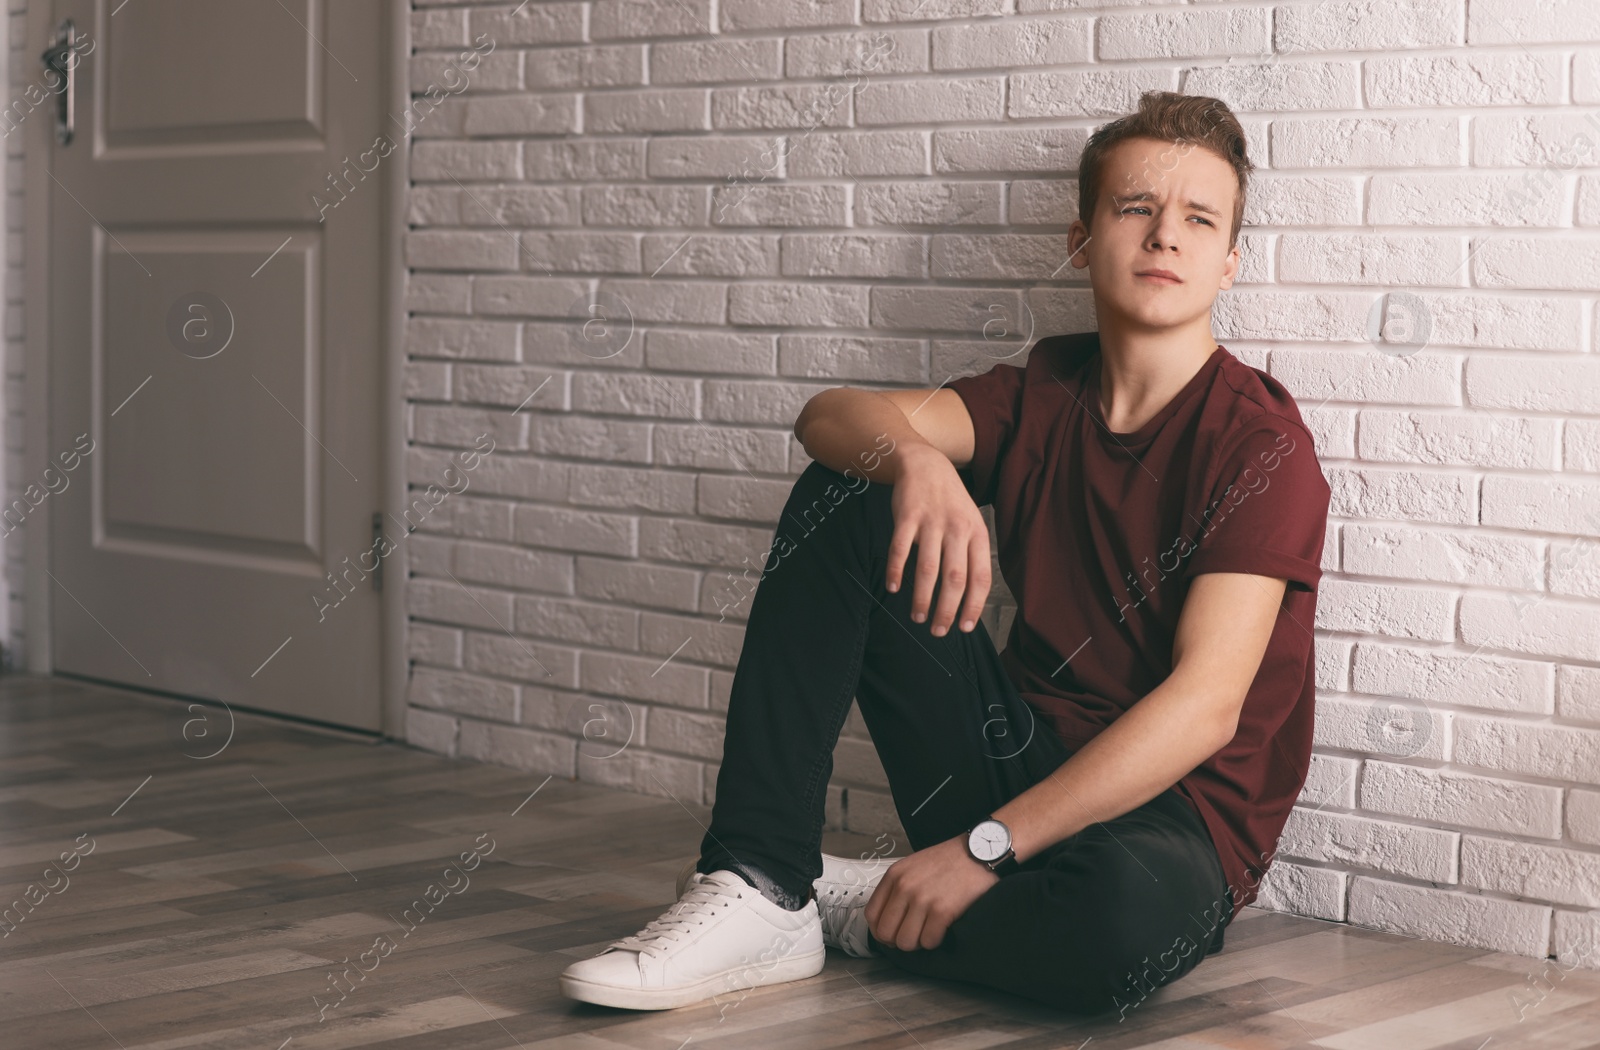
(1223, 630)
(932, 435)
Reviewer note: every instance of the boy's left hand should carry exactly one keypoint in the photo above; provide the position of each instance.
(923, 893)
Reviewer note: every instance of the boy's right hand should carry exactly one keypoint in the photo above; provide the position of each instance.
(934, 512)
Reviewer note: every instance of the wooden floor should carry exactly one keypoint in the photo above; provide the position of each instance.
(215, 882)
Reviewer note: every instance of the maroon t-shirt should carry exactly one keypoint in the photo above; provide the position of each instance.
(1099, 534)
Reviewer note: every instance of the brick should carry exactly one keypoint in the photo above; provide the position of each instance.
(1489, 78)
(1471, 679)
(462, 340)
(582, 623)
(518, 748)
(721, 448)
(1008, 43)
(735, 353)
(661, 491)
(438, 293)
(453, 603)
(707, 642)
(1367, 142)
(426, 381)
(431, 731)
(687, 733)
(1581, 447)
(636, 583)
(536, 24)
(463, 694)
(1465, 556)
(804, 305)
(1527, 261)
(1529, 870)
(644, 679)
(1478, 439)
(701, 543)
(513, 206)
(877, 53)
(438, 646)
(1578, 693)
(466, 161)
(583, 438)
(513, 567)
(639, 771)
(586, 531)
(884, 152)
(1392, 611)
(522, 115)
(1527, 198)
(1538, 624)
(1430, 913)
(1507, 21)
(495, 475)
(1186, 34)
(1443, 796)
(742, 498)
(1368, 375)
(1553, 503)
(523, 659)
(1330, 27)
(1534, 383)
(1383, 493)
(782, 106)
(1378, 845)
(942, 100)
(527, 296)
(732, 255)
(636, 395)
(462, 427)
(1372, 259)
(518, 388)
(709, 62)
(1575, 568)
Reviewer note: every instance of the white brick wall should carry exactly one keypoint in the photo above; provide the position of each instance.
(775, 197)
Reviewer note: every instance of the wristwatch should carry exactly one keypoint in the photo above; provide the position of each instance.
(989, 843)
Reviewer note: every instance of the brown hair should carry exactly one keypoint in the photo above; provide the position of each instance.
(1194, 120)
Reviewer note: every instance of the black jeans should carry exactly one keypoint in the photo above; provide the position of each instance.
(1092, 923)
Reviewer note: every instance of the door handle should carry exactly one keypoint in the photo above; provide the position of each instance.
(62, 57)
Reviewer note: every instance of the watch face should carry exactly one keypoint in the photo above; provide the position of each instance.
(989, 840)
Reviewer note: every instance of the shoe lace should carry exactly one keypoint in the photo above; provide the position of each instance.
(837, 904)
(698, 902)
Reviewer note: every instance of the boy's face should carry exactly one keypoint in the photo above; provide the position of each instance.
(1167, 206)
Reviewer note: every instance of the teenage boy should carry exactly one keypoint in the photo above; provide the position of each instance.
(1089, 809)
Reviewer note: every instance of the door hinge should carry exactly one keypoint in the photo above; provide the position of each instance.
(377, 550)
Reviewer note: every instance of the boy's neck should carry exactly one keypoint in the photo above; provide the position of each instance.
(1140, 375)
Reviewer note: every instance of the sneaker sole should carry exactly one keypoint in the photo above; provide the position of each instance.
(796, 968)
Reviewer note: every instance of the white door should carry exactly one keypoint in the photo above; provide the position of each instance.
(214, 336)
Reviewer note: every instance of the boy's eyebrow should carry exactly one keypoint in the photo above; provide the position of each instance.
(1146, 195)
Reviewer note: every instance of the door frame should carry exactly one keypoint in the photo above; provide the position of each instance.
(38, 139)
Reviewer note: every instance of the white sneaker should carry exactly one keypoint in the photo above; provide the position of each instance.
(842, 894)
(721, 935)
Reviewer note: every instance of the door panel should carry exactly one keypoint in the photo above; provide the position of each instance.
(220, 346)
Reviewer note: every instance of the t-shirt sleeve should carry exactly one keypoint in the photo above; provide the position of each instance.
(1268, 511)
(993, 400)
